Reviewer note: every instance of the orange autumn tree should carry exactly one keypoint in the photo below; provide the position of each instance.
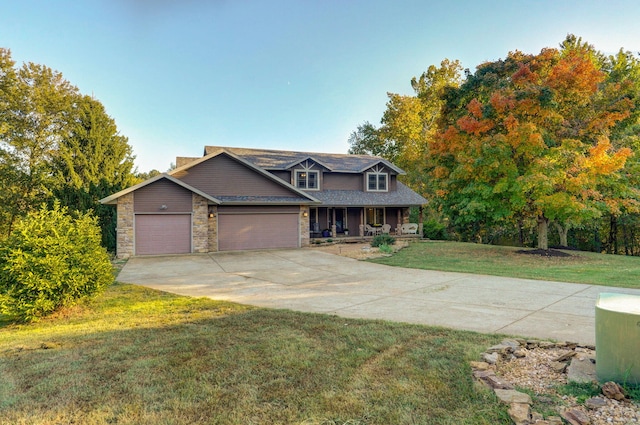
(526, 140)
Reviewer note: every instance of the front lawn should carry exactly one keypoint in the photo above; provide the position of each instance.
(579, 267)
(138, 356)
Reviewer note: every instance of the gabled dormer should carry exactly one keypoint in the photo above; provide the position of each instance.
(307, 174)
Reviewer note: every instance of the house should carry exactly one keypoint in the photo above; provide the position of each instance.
(236, 199)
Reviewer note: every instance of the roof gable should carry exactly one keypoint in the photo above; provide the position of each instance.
(225, 175)
(113, 199)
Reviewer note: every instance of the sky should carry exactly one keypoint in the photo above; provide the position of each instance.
(177, 75)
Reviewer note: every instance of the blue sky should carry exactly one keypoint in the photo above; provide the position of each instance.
(297, 75)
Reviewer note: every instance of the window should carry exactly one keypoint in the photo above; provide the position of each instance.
(377, 182)
(307, 180)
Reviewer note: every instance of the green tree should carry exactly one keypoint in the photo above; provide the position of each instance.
(92, 162)
(409, 123)
(51, 260)
(526, 140)
(56, 144)
(35, 103)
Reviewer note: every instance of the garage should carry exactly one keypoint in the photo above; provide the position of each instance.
(258, 228)
(157, 234)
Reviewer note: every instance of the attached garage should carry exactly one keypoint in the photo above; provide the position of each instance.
(157, 234)
(242, 228)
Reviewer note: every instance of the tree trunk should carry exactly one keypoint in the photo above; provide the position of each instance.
(563, 232)
(543, 232)
(613, 235)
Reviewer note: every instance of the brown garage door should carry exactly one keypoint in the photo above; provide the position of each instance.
(238, 231)
(163, 234)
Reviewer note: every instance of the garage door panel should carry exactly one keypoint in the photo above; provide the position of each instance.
(163, 234)
(257, 231)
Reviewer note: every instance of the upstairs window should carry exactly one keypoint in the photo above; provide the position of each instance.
(307, 180)
(377, 180)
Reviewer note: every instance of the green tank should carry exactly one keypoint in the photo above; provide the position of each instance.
(618, 338)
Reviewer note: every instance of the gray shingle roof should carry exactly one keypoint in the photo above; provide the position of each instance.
(403, 196)
(281, 160)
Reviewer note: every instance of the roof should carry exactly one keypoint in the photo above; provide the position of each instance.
(403, 196)
(283, 160)
(305, 198)
(113, 199)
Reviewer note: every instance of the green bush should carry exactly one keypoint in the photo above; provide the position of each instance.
(386, 249)
(383, 239)
(51, 260)
(435, 230)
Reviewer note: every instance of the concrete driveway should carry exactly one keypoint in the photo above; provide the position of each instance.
(313, 281)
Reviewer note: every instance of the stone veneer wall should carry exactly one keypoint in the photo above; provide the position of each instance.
(405, 215)
(124, 226)
(213, 229)
(200, 224)
(304, 226)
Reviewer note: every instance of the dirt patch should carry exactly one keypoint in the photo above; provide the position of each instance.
(544, 252)
(359, 251)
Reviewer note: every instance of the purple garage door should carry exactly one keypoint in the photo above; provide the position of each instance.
(163, 234)
(257, 231)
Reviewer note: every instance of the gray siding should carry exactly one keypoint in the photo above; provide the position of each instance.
(339, 181)
(288, 209)
(152, 197)
(224, 176)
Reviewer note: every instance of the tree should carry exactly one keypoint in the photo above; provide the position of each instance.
(51, 260)
(408, 124)
(35, 104)
(93, 161)
(526, 139)
(56, 143)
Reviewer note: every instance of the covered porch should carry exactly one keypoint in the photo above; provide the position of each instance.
(361, 222)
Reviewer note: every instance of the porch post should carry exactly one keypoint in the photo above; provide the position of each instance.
(361, 226)
(420, 225)
(333, 223)
(399, 221)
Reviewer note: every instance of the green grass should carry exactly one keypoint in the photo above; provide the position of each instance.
(138, 356)
(580, 267)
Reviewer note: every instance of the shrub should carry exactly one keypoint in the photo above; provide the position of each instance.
(51, 260)
(383, 239)
(386, 249)
(433, 229)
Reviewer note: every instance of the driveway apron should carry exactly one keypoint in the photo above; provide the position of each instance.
(313, 281)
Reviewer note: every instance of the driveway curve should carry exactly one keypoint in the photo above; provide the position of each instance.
(313, 281)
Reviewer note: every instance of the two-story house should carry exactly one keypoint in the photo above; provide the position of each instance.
(235, 199)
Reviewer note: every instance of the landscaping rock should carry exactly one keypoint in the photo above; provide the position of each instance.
(576, 416)
(613, 391)
(595, 403)
(520, 413)
(512, 396)
(565, 356)
(520, 353)
(582, 369)
(558, 367)
(554, 420)
(489, 378)
(491, 358)
(479, 365)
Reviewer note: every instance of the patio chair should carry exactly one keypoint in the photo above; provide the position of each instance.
(386, 228)
(409, 228)
(369, 231)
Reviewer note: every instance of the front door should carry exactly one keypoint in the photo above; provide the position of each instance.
(341, 219)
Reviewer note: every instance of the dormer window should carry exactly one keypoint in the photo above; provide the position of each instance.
(377, 180)
(307, 179)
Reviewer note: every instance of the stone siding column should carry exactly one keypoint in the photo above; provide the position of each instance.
(213, 228)
(304, 225)
(124, 227)
(200, 224)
